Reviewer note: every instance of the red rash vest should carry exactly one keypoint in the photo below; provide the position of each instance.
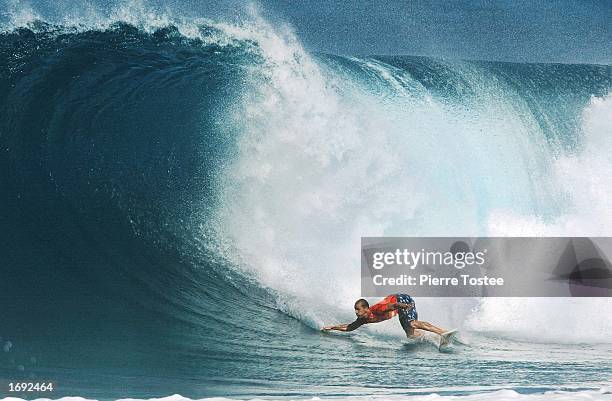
(379, 312)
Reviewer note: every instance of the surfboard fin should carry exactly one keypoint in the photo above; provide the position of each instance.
(446, 339)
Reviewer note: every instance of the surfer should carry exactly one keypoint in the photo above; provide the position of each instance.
(397, 304)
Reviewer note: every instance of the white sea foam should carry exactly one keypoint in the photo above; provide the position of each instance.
(585, 178)
(603, 394)
(324, 160)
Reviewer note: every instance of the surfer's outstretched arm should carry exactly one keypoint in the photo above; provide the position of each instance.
(344, 327)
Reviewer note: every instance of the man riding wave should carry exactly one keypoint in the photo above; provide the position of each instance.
(396, 304)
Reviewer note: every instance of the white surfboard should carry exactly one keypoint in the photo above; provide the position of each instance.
(446, 339)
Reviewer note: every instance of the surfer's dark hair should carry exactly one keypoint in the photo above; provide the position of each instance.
(362, 302)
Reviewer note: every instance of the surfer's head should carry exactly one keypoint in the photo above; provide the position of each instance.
(362, 308)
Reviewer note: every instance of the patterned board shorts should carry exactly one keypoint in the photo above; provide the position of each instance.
(406, 315)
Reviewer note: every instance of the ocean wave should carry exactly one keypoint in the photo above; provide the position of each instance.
(187, 195)
(196, 133)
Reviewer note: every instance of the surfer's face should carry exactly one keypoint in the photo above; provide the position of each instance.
(361, 311)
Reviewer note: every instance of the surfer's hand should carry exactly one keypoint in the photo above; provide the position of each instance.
(405, 306)
(326, 328)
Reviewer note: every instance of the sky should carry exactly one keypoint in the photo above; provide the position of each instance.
(531, 30)
(563, 31)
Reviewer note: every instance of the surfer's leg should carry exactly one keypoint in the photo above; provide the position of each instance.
(406, 317)
(409, 330)
(421, 325)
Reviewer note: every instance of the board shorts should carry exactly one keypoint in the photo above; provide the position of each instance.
(406, 315)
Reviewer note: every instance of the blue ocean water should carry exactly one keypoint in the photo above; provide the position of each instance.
(182, 203)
